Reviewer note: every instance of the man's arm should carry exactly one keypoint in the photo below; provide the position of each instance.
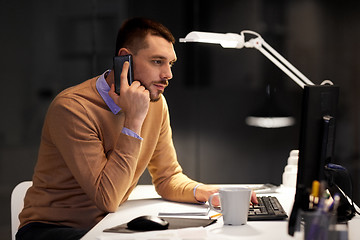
(104, 176)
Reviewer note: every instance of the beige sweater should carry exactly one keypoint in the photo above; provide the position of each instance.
(86, 167)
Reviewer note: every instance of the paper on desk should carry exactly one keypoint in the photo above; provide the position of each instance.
(265, 188)
(184, 209)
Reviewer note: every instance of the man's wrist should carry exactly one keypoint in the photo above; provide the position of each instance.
(133, 125)
(195, 188)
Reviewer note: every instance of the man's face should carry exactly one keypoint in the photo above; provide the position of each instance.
(152, 65)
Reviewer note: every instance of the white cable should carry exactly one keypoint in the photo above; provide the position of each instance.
(329, 82)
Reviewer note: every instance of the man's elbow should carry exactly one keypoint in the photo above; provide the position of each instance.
(108, 205)
(109, 208)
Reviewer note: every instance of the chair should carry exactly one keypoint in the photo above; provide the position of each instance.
(17, 204)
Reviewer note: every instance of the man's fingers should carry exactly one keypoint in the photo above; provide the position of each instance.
(254, 198)
(124, 74)
(215, 201)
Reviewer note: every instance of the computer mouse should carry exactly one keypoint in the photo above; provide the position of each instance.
(147, 223)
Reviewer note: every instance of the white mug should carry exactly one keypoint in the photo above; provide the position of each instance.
(234, 204)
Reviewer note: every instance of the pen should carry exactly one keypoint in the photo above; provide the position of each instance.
(336, 203)
(216, 215)
(314, 196)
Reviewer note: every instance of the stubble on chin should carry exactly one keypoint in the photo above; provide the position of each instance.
(155, 95)
(155, 98)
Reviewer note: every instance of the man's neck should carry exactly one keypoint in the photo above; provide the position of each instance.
(110, 77)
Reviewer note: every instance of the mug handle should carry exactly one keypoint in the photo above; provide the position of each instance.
(210, 203)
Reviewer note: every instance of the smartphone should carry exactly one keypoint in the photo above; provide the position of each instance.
(118, 62)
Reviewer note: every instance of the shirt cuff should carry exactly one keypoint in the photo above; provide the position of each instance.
(130, 133)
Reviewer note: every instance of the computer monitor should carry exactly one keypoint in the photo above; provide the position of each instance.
(316, 145)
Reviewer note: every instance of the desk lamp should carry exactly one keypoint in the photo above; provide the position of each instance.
(317, 130)
(233, 40)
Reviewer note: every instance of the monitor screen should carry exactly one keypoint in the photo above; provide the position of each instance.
(316, 145)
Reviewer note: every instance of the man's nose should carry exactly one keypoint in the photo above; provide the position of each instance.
(166, 73)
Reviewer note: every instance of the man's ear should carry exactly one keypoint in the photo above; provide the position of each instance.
(123, 51)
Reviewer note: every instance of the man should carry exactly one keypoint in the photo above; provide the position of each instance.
(95, 144)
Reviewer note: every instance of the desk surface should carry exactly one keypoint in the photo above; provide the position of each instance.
(145, 201)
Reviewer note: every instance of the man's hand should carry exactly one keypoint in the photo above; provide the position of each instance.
(133, 100)
(254, 198)
(203, 193)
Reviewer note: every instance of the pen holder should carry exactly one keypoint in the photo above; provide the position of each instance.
(318, 225)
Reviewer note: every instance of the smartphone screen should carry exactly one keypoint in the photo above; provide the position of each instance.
(118, 62)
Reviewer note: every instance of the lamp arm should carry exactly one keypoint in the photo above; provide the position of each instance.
(282, 67)
(260, 44)
(287, 63)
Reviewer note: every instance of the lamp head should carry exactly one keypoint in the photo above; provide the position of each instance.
(226, 40)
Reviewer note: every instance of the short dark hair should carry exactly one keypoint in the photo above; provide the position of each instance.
(133, 32)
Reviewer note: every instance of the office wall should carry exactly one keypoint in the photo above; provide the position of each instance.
(47, 46)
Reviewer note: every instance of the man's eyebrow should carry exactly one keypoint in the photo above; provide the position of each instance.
(158, 56)
(162, 57)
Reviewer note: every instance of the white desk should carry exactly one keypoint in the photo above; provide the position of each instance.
(145, 201)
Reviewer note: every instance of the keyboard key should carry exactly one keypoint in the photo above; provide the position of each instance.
(269, 208)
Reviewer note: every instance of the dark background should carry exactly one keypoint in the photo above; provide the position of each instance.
(47, 46)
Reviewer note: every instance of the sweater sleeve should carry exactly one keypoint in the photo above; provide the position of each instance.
(105, 177)
(167, 175)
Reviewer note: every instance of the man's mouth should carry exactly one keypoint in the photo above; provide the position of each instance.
(161, 86)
